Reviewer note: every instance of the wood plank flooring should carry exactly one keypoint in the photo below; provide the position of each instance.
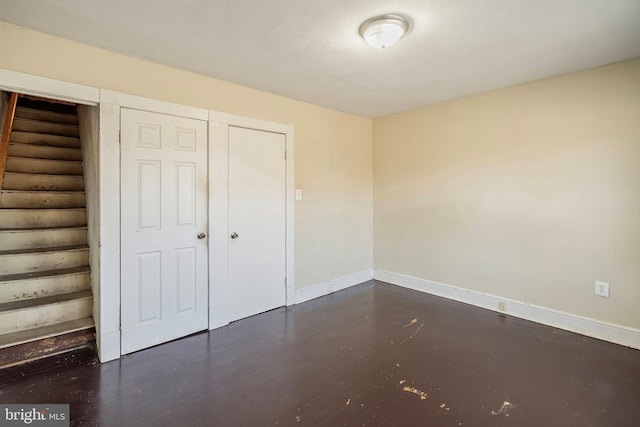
(372, 355)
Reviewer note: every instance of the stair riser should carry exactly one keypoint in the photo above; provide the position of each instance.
(44, 152)
(39, 200)
(20, 320)
(43, 182)
(34, 126)
(51, 167)
(35, 219)
(28, 239)
(33, 262)
(44, 139)
(46, 333)
(47, 116)
(39, 349)
(17, 290)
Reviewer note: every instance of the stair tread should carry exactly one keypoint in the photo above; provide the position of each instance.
(44, 139)
(43, 191)
(36, 229)
(41, 160)
(44, 209)
(44, 152)
(48, 331)
(41, 210)
(53, 128)
(54, 147)
(41, 274)
(45, 115)
(22, 218)
(41, 301)
(41, 166)
(40, 174)
(42, 181)
(39, 134)
(43, 250)
(39, 199)
(31, 120)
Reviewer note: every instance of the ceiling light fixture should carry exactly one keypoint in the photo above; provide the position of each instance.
(384, 31)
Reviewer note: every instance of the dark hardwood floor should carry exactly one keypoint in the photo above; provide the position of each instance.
(372, 355)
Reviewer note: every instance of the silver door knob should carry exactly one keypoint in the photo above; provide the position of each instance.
(201, 236)
(234, 235)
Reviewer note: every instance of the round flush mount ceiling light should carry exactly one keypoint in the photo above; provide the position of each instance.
(384, 31)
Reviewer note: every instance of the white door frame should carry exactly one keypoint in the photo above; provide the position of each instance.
(106, 279)
(219, 209)
(29, 84)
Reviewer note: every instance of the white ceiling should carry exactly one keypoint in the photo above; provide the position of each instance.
(310, 49)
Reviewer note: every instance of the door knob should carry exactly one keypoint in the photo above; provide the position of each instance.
(201, 236)
(234, 235)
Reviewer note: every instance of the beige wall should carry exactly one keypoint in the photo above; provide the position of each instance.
(530, 193)
(333, 157)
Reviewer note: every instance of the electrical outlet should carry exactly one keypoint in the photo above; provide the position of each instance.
(298, 194)
(502, 306)
(602, 289)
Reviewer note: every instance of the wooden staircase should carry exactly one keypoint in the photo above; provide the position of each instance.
(45, 295)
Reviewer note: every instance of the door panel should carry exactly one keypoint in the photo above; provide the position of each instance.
(163, 208)
(257, 213)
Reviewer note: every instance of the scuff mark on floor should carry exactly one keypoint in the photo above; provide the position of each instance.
(414, 390)
(348, 401)
(413, 322)
(416, 332)
(403, 381)
(298, 418)
(504, 409)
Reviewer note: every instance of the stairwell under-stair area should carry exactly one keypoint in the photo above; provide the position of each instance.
(45, 294)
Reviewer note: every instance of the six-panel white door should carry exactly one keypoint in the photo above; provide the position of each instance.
(164, 275)
(257, 219)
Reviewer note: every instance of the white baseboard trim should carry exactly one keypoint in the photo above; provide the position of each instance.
(109, 346)
(617, 334)
(315, 291)
(218, 316)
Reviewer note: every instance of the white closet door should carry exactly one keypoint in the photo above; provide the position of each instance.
(163, 224)
(257, 220)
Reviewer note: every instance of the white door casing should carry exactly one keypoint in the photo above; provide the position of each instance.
(257, 221)
(164, 270)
